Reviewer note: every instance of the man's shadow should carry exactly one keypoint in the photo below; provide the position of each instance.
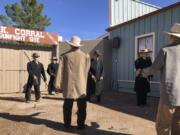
(93, 129)
(16, 99)
(52, 98)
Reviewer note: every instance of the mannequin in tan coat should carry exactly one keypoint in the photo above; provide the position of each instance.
(72, 79)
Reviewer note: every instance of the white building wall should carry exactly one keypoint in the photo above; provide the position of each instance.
(124, 10)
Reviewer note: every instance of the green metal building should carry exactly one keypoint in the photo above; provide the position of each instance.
(144, 31)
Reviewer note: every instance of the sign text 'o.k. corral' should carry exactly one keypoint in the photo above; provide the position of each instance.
(26, 35)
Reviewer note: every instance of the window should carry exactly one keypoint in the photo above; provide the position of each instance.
(146, 41)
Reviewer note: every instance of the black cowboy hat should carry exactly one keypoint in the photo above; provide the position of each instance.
(35, 55)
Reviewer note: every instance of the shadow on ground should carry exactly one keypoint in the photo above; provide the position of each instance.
(22, 99)
(52, 98)
(122, 102)
(15, 99)
(93, 129)
(126, 103)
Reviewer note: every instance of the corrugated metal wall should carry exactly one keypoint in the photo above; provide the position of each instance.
(123, 58)
(13, 66)
(124, 10)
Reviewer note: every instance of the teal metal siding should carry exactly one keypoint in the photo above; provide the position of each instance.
(124, 10)
(157, 23)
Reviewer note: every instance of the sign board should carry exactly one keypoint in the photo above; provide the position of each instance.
(26, 35)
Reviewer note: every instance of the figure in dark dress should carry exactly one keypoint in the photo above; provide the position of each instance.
(51, 70)
(142, 85)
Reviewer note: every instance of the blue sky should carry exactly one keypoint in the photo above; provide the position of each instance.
(86, 18)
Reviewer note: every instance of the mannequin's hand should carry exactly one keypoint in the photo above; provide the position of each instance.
(138, 72)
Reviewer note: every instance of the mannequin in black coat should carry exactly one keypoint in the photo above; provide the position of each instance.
(35, 70)
(142, 85)
(51, 70)
(90, 83)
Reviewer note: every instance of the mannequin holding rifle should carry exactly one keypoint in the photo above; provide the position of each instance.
(35, 70)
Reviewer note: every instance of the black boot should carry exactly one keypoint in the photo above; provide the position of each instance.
(98, 98)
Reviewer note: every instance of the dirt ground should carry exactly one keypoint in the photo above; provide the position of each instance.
(116, 115)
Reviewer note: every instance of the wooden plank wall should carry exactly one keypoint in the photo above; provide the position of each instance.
(13, 67)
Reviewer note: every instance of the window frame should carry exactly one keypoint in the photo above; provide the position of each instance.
(143, 36)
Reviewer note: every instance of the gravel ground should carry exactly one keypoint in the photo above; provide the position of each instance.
(117, 114)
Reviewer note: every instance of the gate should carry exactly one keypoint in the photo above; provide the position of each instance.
(13, 66)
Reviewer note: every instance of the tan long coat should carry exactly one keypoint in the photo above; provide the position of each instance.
(72, 74)
(168, 63)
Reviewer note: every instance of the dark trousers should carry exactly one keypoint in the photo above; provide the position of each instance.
(51, 86)
(36, 90)
(98, 98)
(90, 88)
(141, 98)
(81, 114)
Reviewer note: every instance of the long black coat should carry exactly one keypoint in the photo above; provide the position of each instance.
(98, 70)
(141, 83)
(52, 69)
(91, 82)
(37, 70)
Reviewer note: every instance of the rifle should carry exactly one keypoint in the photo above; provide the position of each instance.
(29, 61)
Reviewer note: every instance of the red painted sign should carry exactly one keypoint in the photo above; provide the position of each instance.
(26, 35)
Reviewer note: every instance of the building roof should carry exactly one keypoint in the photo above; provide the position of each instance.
(105, 35)
(144, 16)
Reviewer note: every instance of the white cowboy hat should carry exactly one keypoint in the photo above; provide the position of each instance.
(75, 41)
(175, 30)
(145, 50)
